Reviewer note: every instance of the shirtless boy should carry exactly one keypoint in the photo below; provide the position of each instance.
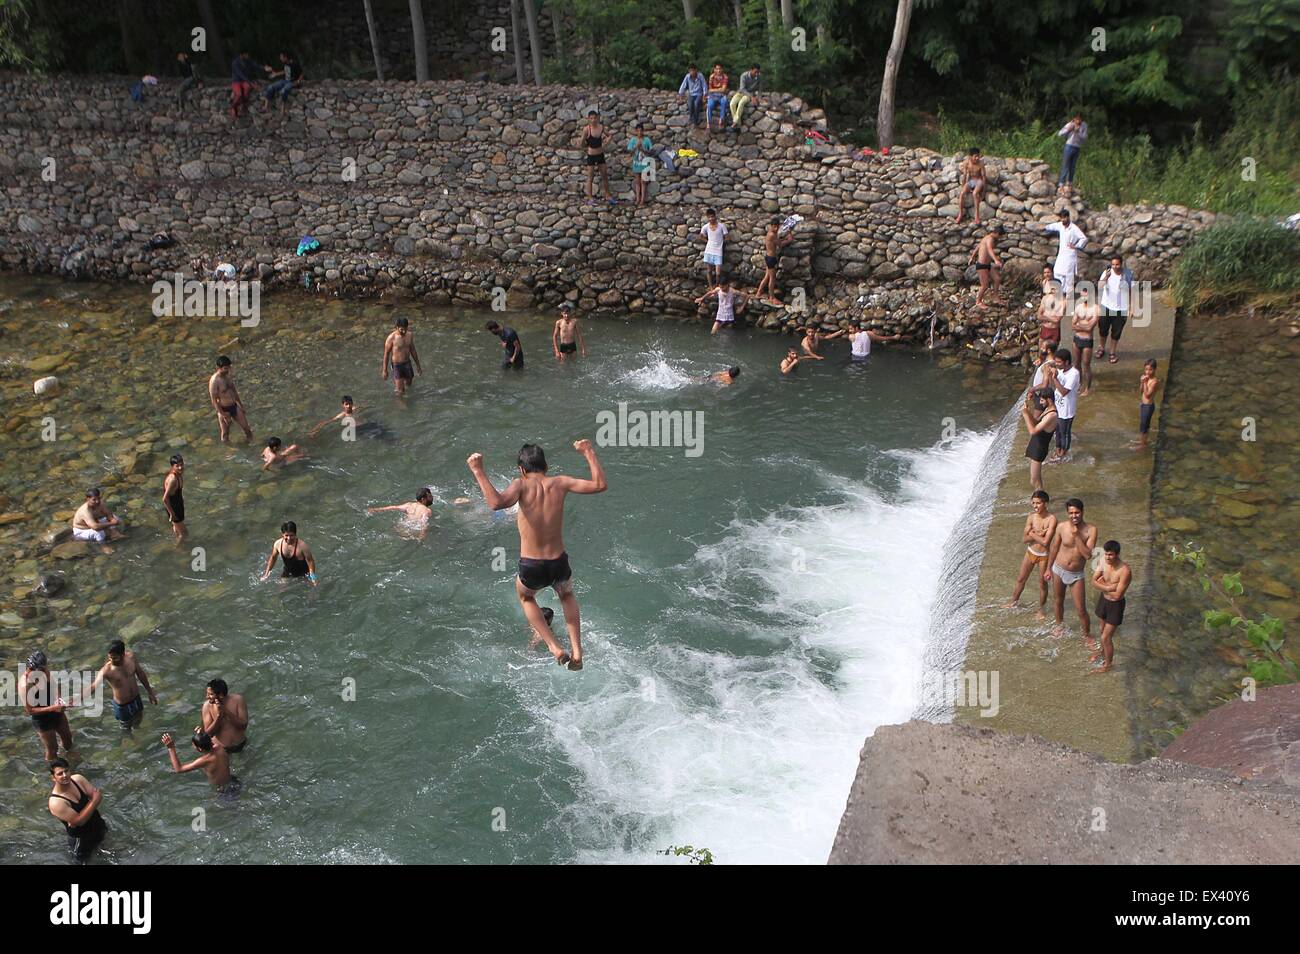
(1147, 386)
(349, 411)
(566, 339)
(399, 354)
(973, 180)
(213, 760)
(225, 716)
(1111, 581)
(275, 454)
(94, 522)
(812, 339)
(1086, 315)
(543, 561)
(226, 402)
(36, 690)
(1040, 526)
(125, 676)
(791, 361)
(1072, 546)
(773, 242)
(725, 378)
(987, 262)
(1050, 312)
(417, 511)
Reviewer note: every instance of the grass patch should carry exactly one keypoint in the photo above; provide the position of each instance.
(1239, 259)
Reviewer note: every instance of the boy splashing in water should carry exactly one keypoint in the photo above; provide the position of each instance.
(543, 561)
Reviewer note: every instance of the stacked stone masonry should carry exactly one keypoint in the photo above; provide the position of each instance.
(449, 190)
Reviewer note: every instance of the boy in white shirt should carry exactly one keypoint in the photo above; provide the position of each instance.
(712, 234)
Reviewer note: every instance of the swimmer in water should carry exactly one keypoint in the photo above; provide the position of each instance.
(273, 456)
(213, 760)
(861, 338)
(416, 511)
(543, 560)
(1040, 527)
(725, 378)
(567, 338)
(297, 556)
(349, 411)
(399, 355)
(225, 716)
(813, 338)
(791, 361)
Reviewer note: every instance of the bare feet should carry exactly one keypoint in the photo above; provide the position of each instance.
(1011, 604)
(1104, 667)
(1058, 630)
(1042, 617)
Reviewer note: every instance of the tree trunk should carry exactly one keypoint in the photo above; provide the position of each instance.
(559, 37)
(787, 15)
(215, 46)
(417, 39)
(738, 7)
(688, 10)
(773, 37)
(534, 40)
(885, 116)
(514, 40)
(374, 41)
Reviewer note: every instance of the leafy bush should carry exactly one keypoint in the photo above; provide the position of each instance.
(1236, 258)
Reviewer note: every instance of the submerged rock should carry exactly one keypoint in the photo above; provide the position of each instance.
(50, 584)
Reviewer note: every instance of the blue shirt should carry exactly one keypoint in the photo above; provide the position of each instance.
(694, 87)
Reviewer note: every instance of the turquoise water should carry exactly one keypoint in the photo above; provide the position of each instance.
(750, 614)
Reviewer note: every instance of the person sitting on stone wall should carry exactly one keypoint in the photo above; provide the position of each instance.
(692, 93)
(749, 85)
(718, 86)
(290, 78)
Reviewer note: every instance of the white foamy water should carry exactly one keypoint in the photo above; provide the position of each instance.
(751, 753)
(657, 374)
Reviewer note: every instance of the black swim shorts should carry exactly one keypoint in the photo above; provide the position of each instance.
(539, 574)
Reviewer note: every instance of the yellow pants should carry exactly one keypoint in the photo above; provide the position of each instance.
(738, 103)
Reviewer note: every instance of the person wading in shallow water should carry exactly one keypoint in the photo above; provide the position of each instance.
(543, 560)
(1040, 526)
(1072, 547)
(225, 400)
(297, 556)
(399, 355)
(75, 802)
(1112, 581)
(36, 690)
(225, 716)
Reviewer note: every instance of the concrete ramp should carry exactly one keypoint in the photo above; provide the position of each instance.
(954, 794)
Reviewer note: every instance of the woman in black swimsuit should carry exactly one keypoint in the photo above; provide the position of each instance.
(593, 138)
(174, 496)
(83, 836)
(297, 556)
(1039, 415)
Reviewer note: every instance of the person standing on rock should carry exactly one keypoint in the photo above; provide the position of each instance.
(75, 802)
(566, 339)
(1147, 386)
(1112, 581)
(988, 263)
(692, 91)
(124, 675)
(399, 354)
(973, 180)
(1115, 289)
(94, 522)
(713, 234)
(1071, 549)
(1050, 312)
(173, 498)
(750, 82)
(642, 158)
(1040, 526)
(226, 402)
(1072, 241)
(189, 78)
(718, 85)
(543, 560)
(36, 690)
(593, 140)
(773, 243)
(1075, 133)
(513, 356)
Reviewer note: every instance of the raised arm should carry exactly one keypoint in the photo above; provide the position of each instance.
(596, 483)
(494, 500)
(198, 763)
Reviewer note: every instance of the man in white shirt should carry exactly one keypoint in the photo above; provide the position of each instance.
(860, 341)
(1116, 290)
(1072, 241)
(712, 234)
(1066, 384)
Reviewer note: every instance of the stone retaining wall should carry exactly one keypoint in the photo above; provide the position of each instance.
(448, 190)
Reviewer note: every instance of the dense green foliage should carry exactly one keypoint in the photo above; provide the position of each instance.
(1176, 94)
(1242, 256)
